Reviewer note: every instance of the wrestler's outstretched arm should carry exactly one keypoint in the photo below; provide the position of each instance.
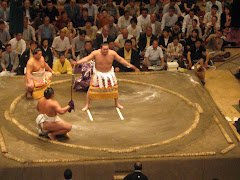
(87, 58)
(47, 67)
(58, 109)
(124, 62)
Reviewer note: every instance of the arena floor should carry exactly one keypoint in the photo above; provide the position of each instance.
(171, 124)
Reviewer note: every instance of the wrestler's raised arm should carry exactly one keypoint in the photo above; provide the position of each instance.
(58, 109)
(124, 62)
(87, 58)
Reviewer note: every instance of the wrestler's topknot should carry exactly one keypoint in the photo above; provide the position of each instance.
(35, 51)
(48, 93)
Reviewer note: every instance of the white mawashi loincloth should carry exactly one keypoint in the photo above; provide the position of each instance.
(102, 79)
(44, 118)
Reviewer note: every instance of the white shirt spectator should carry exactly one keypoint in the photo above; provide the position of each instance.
(168, 20)
(134, 32)
(18, 46)
(154, 54)
(28, 13)
(104, 38)
(208, 18)
(61, 45)
(167, 6)
(142, 20)
(209, 6)
(123, 23)
(121, 40)
(92, 10)
(187, 21)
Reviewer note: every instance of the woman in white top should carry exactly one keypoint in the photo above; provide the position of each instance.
(133, 29)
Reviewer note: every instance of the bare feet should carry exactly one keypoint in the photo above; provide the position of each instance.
(29, 95)
(85, 108)
(52, 137)
(119, 106)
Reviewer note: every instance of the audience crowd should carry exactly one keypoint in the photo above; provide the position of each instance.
(145, 33)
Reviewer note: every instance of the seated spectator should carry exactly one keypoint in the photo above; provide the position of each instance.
(51, 11)
(46, 30)
(121, 6)
(90, 31)
(43, 3)
(104, 37)
(211, 3)
(145, 40)
(176, 30)
(232, 37)
(172, 4)
(208, 16)
(190, 41)
(124, 20)
(47, 52)
(27, 54)
(154, 55)
(226, 18)
(70, 32)
(211, 28)
(156, 25)
(112, 46)
(28, 10)
(72, 10)
(215, 44)
(86, 50)
(92, 11)
(4, 11)
(132, 8)
(4, 34)
(163, 3)
(133, 29)
(143, 3)
(62, 65)
(165, 39)
(194, 26)
(152, 7)
(120, 41)
(188, 5)
(113, 29)
(103, 19)
(169, 19)
(18, 44)
(68, 174)
(38, 21)
(78, 44)
(196, 53)
(175, 52)
(62, 21)
(129, 55)
(143, 18)
(111, 9)
(9, 59)
(187, 21)
(6, 24)
(61, 44)
(28, 32)
(134, 44)
(81, 21)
